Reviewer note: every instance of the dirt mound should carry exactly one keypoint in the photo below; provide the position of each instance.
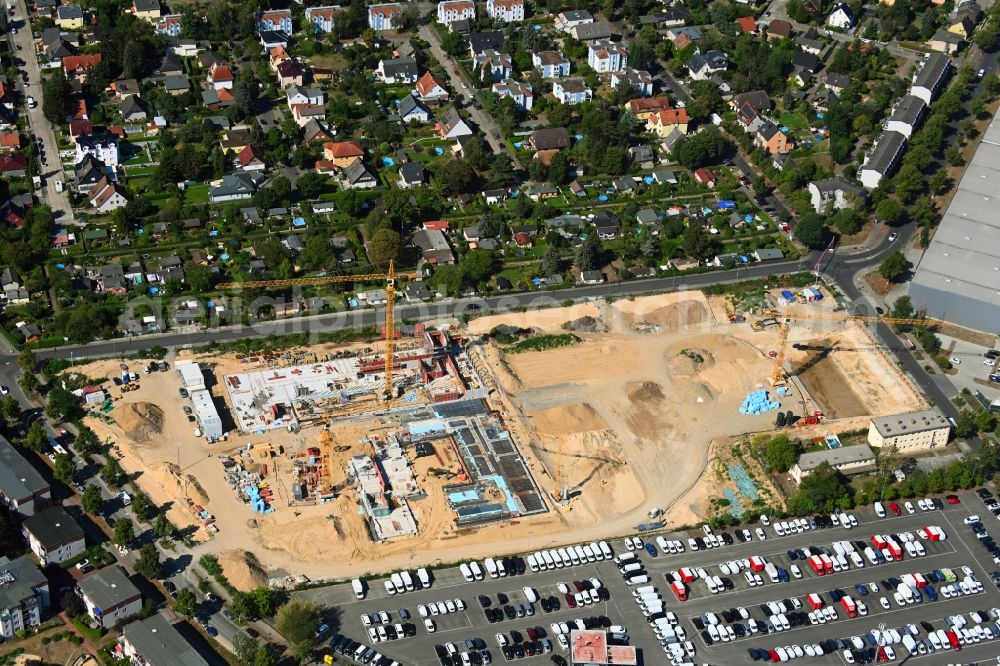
(182, 486)
(586, 324)
(566, 419)
(690, 361)
(242, 569)
(141, 421)
(643, 392)
(677, 315)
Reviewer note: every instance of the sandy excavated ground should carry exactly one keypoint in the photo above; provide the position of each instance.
(633, 414)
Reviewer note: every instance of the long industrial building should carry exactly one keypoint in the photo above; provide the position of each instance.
(958, 277)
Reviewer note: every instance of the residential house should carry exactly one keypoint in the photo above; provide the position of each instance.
(498, 65)
(147, 10)
(837, 82)
(295, 95)
(705, 177)
(810, 43)
(833, 194)
(10, 141)
(449, 11)
(88, 172)
(22, 489)
(306, 113)
(322, 17)
(550, 64)
(217, 99)
(767, 254)
(553, 138)
(946, 41)
(778, 29)
(747, 24)
(156, 642)
(591, 32)
(643, 108)
(430, 89)
(69, 17)
(102, 145)
(171, 65)
(805, 62)
(770, 137)
(107, 196)
(53, 536)
(929, 76)
(841, 17)
(450, 125)
(521, 93)
(357, 176)
(24, 597)
(290, 73)
(883, 159)
(536, 192)
(188, 48)
(412, 174)
(636, 79)
(570, 18)
(221, 76)
(847, 460)
(385, 16)
(248, 160)
(433, 245)
(963, 27)
(177, 85)
(461, 27)
(507, 11)
(663, 123)
(481, 42)
(398, 70)
(759, 99)
(591, 277)
(493, 197)
(968, 9)
(605, 57)
(608, 225)
(77, 66)
(681, 38)
(343, 153)
(275, 20)
(314, 131)
(411, 110)
(13, 166)
(109, 596)
(703, 66)
(571, 90)
(906, 115)
(235, 186)
(170, 25)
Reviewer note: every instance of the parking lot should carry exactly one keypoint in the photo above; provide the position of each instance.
(961, 548)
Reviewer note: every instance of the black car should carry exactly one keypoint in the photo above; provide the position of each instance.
(252, 633)
(558, 661)
(502, 598)
(792, 555)
(508, 652)
(706, 638)
(927, 626)
(485, 601)
(698, 623)
(726, 538)
(520, 566)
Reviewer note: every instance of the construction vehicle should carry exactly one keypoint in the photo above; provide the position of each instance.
(440, 471)
(390, 278)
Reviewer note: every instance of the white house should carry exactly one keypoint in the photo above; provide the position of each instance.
(637, 79)
(833, 194)
(521, 93)
(298, 95)
(25, 596)
(323, 17)
(507, 11)
(102, 145)
(841, 17)
(53, 536)
(450, 11)
(109, 596)
(385, 16)
(499, 65)
(604, 57)
(571, 91)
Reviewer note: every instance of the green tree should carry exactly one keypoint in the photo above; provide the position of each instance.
(26, 361)
(142, 506)
(966, 424)
(63, 468)
(148, 563)
(448, 279)
(163, 527)
(550, 261)
(265, 601)
(703, 149)
(824, 490)
(10, 410)
(86, 442)
(894, 266)
(302, 651)
(198, 277)
(501, 172)
(696, 242)
(62, 404)
(186, 603)
(297, 620)
(383, 248)
(902, 308)
(889, 210)
(780, 453)
(112, 473)
(124, 532)
(91, 500)
(310, 185)
(589, 254)
(456, 176)
(263, 657)
(36, 439)
(479, 265)
(810, 230)
(245, 649)
(56, 95)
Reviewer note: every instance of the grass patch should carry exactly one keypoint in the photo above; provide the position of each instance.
(543, 342)
(793, 121)
(196, 194)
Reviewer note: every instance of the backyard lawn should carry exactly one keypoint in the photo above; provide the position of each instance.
(793, 121)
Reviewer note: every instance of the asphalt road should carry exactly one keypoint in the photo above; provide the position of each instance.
(51, 170)
(959, 549)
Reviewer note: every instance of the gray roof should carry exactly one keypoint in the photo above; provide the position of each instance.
(964, 254)
(887, 147)
(911, 422)
(844, 455)
(480, 42)
(177, 82)
(758, 99)
(108, 587)
(410, 103)
(596, 30)
(831, 185)
(26, 577)
(769, 253)
(53, 527)
(18, 479)
(400, 66)
(69, 12)
(578, 15)
(237, 182)
(412, 172)
(946, 36)
(932, 72)
(806, 61)
(908, 110)
(146, 5)
(160, 643)
(553, 137)
(355, 171)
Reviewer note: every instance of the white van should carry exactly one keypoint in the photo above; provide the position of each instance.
(491, 567)
(530, 594)
(639, 591)
(532, 564)
(630, 568)
(397, 580)
(424, 577)
(547, 558)
(564, 556)
(606, 550)
(637, 580)
(358, 587)
(500, 568)
(407, 580)
(477, 571)
(589, 553)
(879, 510)
(581, 554)
(390, 589)
(627, 556)
(466, 572)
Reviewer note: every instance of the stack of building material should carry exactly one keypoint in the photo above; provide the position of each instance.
(757, 402)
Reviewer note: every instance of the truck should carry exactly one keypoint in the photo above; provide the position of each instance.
(680, 590)
(849, 606)
(897, 552)
(817, 565)
(358, 587)
(685, 574)
(905, 592)
(757, 563)
(827, 563)
(815, 601)
(36, 182)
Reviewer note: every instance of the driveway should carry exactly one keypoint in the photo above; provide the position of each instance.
(51, 169)
(466, 91)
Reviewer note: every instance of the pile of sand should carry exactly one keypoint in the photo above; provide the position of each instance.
(548, 320)
(586, 325)
(567, 419)
(242, 569)
(141, 421)
(182, 486)
(669, 311)
(647, 414)
(690, 361)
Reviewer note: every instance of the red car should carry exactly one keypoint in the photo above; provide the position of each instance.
(953, 639)
(953, 499)
(894, 508)
(774, 656)
(570, 601)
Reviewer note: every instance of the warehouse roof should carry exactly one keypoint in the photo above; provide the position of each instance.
(964, 255)
(845, 455)
(904, 424)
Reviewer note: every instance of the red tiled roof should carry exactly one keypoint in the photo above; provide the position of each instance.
(246, 156)
(343, 149)
(747, 23)
(669, 117)
(15, 162)
(426, 83)
(10, 139)
(75, 62)
(80, 127)
(649, 104)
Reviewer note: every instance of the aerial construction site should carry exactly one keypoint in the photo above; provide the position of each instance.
(513, 431)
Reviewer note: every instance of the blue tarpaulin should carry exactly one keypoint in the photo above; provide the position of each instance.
(726, 204)
(757, 402)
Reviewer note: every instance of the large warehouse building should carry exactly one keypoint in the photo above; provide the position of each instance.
(958, 277)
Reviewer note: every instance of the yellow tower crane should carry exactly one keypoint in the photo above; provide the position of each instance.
(390, 278)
